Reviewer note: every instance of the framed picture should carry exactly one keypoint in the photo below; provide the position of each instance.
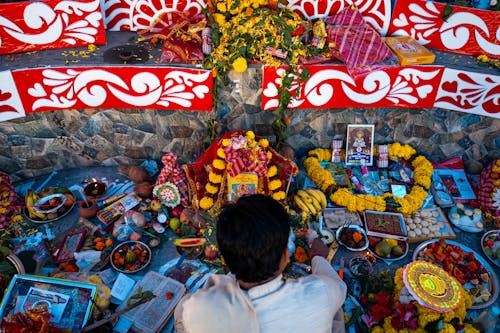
(71, 243)
(68, 302)
(242, 184)
(359, 144)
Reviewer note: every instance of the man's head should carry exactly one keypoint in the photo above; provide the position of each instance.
(252, 235)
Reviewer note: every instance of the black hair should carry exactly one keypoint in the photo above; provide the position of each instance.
(252, 235)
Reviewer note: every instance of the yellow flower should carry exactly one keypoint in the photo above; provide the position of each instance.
(483, 58)
(226, 142)
(221, 7)
(272, 171)
(219, 19)
(220, 153)
(250, 135)
(219, 164)
(269, 155)
(211, 189)
(214, 178)
(240, 65)
(274, 184)
(280, 195)
(206, 203)
(264, 143)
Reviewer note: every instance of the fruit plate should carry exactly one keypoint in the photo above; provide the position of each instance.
(60, 212)
(491, 286)
(490, 243)
(130, 257)
(391, 258)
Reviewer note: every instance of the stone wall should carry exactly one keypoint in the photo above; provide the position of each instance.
(41, 142)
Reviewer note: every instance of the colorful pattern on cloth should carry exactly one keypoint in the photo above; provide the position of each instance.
(242, 158)
(355, 42)
(432, 286)
(172, 172)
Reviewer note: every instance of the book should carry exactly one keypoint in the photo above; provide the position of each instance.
(153, 315)
(409, 51)
(55, 302)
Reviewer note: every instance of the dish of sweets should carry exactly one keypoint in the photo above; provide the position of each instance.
(130, 257)
(335, 218)
(382, 224)
(50, 204)
(467, 219)
(428, 223)
(490, 242)
(353, 237)
(470, 269)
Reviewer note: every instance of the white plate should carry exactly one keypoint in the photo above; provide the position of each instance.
(465, 223)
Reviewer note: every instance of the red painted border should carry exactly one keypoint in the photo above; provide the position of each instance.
(171, 88)
(331, 86)
(467, 30)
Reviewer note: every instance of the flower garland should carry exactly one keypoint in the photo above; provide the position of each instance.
(404, 315)
(359, 202)
(242, 147)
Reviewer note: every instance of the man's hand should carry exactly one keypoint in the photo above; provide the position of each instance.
(318, 248)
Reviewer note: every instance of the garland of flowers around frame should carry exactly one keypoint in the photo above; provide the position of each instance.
(422, 172)
(426, 317)
(220, 166)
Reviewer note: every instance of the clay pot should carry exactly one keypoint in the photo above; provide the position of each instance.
(88, 209)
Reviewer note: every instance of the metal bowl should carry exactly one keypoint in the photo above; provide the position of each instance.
(356, 228)
(45, 200)
(483, 239)
(132, 245)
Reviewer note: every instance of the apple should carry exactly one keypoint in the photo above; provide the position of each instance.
(210, 252)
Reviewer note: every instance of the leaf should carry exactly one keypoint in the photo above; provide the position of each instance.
(6, 268)
(448, 9)
(4, 251)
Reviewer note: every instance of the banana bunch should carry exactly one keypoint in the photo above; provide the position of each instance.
(30, 199)
(310, 201)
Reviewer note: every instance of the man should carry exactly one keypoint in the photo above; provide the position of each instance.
(252, 235)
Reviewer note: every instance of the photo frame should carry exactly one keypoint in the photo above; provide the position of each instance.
(359, 144)
(69, 302)
(71, 243)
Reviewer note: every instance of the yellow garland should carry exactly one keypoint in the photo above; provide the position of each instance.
(215, 179)
(359, 202)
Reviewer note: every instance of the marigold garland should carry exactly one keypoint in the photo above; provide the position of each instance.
(359, 202)
(220, 165)
(426, 315)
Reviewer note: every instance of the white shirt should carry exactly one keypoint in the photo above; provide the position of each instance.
(308, 304)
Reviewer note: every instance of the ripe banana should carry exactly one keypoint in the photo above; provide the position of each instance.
(31, 198)
(310, 202)
(318, 195)
(301, 204)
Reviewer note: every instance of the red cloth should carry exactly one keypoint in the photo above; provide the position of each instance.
(173, 173)
(355, 42)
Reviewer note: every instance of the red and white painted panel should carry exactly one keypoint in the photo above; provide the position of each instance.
(141, 14)
(376, 12)
(331, 86)
(467, 30)
(29, 26)
(469, 92)
(10, 102)
(172, 88)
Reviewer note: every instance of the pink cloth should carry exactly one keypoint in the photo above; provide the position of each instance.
(355, 42)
